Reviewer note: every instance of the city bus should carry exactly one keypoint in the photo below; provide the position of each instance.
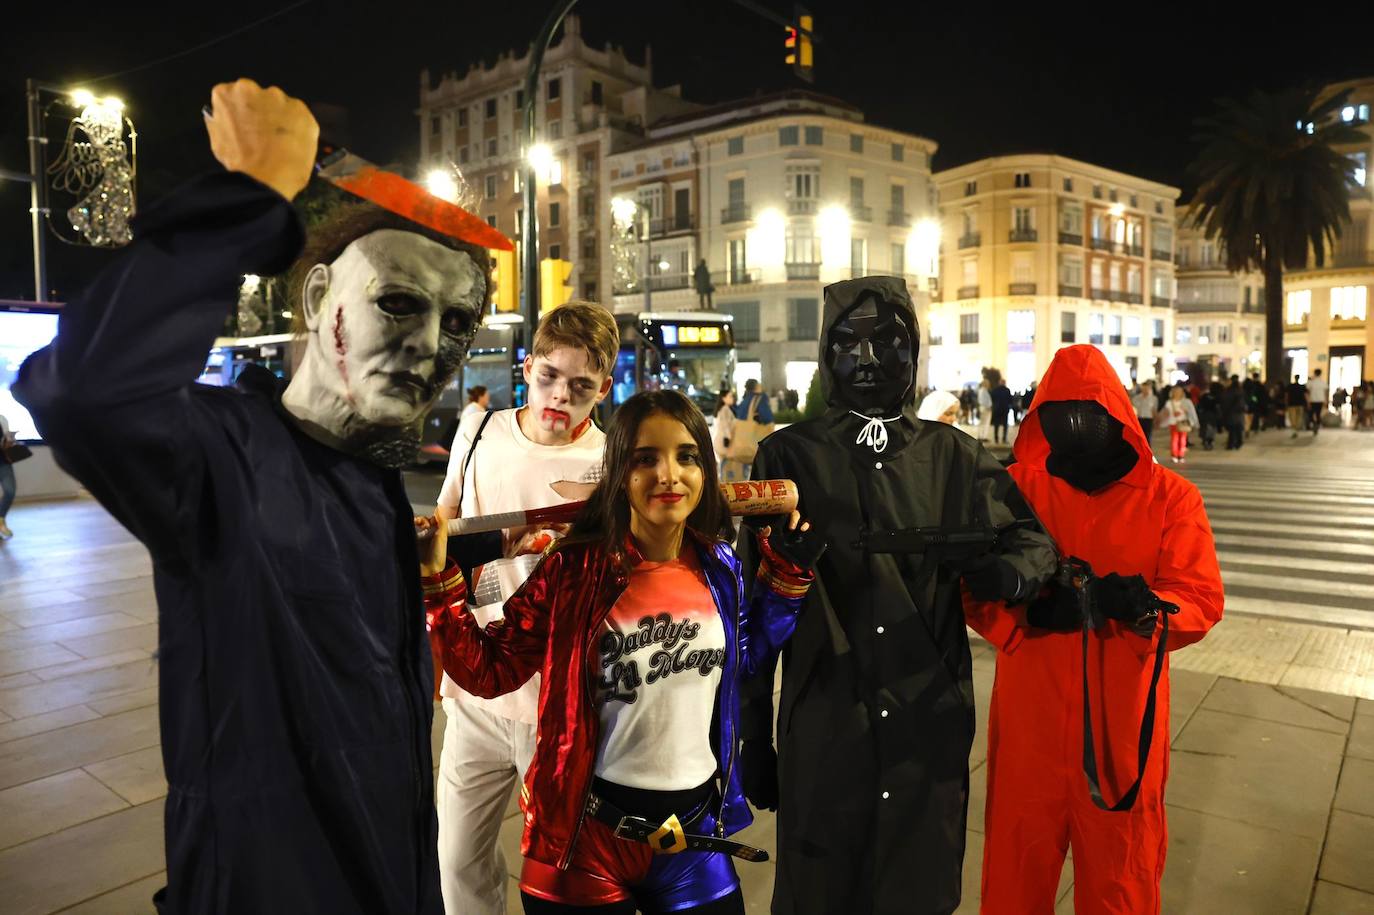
(494, 361)
(229, 355)
(691, 351)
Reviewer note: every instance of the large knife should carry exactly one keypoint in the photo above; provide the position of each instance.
(357, 176)
(388, 190)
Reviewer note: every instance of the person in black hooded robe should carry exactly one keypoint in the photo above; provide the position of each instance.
(870, 776)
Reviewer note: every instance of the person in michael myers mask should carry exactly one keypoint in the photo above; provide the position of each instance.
(294, 668)
(870, 776)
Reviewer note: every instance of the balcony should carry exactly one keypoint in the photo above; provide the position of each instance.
(968, 292)
(898, 218)
(1070, 238)
(1021, 289)
(1161, 301)
(1135, 298)
(737, 212)
(803, 271)
(1100, 244)
(665, 281)
(1116, 295)
(1100, 293)
(1022, 235)
(736, 277)
(660, 228)
(1159, 255)
(1135, 250)
(1071, 291)
(860, 213)
(970, 240)
(802, 207)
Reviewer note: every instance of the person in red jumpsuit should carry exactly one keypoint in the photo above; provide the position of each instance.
(1086, 469)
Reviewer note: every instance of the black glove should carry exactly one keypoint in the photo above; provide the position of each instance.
(1128, 599)
(990, 577)
(1055, 609)
(758, 773)
(801, 548)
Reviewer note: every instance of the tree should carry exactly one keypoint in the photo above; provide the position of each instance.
(1271, 188)
(815, 403)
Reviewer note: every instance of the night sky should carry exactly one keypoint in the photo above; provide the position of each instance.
(1115, 83)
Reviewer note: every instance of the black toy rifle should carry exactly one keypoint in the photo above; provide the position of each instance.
(946, 542)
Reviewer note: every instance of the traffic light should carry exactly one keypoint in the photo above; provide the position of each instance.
(553, 284)
(798, 44)
(506, 278)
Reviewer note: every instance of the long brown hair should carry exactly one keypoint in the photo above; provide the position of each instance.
(605, 520)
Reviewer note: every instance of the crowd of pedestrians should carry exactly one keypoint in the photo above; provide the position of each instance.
(1237, 408)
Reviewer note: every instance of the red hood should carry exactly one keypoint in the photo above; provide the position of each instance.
(1082, 373)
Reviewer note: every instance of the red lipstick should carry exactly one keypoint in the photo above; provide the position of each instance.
(672, 498)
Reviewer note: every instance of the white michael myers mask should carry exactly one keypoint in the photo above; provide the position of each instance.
(389, 322)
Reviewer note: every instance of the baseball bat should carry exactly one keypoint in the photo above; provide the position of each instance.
(750, 497)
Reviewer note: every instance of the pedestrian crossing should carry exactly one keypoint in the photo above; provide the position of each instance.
(1293, 544)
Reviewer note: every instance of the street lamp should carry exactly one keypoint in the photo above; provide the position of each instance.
(540, 158)
(440, 183)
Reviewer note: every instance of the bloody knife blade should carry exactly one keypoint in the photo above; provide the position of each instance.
(357, 176)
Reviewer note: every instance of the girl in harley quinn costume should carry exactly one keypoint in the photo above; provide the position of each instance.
(638, 623)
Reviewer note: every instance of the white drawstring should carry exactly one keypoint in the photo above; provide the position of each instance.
(874, 432)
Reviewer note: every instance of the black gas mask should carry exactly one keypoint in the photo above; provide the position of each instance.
(1087, 448)
(871, 355)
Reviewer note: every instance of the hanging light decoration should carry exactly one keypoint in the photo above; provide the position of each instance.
(97, 167)
(625, 267)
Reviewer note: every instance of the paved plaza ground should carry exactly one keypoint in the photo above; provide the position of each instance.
(1271, 789)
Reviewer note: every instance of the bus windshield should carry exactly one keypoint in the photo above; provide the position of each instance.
(700, 374)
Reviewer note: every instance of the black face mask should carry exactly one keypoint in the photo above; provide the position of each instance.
(871, 357)
(1087, 448)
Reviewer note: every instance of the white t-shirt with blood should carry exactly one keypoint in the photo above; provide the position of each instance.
(508, 472)
(658, 662)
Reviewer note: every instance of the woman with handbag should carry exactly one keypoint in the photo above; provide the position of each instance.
(1180, 417)
(755, 420)
(7, 483)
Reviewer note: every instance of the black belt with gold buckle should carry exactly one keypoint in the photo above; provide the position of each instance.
(668, 837)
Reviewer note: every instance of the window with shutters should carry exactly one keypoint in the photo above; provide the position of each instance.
(968, 328)
(746, 320)
(803, 319)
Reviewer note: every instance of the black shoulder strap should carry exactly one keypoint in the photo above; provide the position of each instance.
(467, 459)
(1147, 728)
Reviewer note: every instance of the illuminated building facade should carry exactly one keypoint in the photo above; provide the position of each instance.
(780, 195)
(1040, 252)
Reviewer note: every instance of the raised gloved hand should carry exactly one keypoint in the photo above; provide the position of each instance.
(788, 553)
(758, 773)
(800, 547)
(990, 577)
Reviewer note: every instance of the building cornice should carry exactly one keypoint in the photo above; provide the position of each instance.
(1054, 161)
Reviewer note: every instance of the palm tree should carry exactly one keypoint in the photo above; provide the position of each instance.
(1272, 187)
